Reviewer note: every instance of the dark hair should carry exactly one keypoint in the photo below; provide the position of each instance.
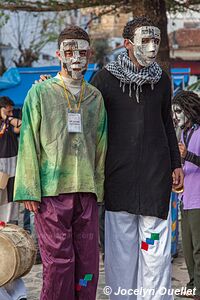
(129, 28)
(189, 102)
(73, 32)
(6, 101)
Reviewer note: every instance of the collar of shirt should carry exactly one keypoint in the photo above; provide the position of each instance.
(74, 86)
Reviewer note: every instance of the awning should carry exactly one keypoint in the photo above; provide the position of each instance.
(16, 82)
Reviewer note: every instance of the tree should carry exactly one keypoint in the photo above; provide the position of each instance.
(60, 5)
(155, 9)
(3, 20)
(29, 32)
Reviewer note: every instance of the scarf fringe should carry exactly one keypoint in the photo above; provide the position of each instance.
(137, 94)
(123, 88)
(130, 89)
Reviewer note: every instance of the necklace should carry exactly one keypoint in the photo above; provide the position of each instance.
(68, 92)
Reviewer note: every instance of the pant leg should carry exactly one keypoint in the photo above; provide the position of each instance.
(86, 245)
(53, 226)
(154, 273)
(194, 221)
(16, 289)
(35, 238)
(121, 253)
(4, 294)
(9, 211)
(10, 188)
(187, 245)
(174, 216)
(26, 220)
(102, 228)
(14, 211)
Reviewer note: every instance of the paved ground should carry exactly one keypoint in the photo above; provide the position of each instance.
(34, 279)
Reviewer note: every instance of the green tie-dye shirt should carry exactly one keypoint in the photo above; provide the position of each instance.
(52, 161)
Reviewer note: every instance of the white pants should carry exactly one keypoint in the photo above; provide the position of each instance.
(13, 291)
(137, 256)
(9, 212)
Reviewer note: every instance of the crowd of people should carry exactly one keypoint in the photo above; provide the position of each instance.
(110, 141)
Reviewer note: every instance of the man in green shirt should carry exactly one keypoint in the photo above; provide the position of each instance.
(60, 171)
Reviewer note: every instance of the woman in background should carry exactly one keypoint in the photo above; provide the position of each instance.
(9, 128)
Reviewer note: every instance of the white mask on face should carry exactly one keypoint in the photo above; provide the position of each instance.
(146, 44)
(74, 55)
(179, 117)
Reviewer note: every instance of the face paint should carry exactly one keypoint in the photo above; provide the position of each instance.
(74, 55)
(146, 44)
(179, 117)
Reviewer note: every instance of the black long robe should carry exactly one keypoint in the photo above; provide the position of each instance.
(142, 146)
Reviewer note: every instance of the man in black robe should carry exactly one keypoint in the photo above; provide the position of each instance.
(142, 164)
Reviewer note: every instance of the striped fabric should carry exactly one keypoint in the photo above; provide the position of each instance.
(8, 165)
(124, 70)
(8, 159)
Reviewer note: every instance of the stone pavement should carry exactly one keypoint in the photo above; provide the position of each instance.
(34, 279)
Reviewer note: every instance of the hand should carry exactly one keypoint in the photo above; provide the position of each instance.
(32, 206)
(2, 131)
(182, 150)
(178, 178)
(43, 78)
(3, 113)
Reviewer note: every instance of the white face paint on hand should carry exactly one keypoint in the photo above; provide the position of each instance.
(146, 44)
(179, 117)
(74, 55)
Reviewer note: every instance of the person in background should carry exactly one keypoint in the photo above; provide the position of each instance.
(9, 128)
(9, 212)
(186, 107)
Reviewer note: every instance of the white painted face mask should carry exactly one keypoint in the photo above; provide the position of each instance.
(146, 44)
(179, 117)
(74, 55)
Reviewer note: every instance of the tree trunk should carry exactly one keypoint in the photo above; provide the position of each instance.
(2, 65)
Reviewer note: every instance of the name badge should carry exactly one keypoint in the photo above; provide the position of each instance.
(74, 121)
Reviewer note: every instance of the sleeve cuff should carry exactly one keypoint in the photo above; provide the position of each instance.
(189, 156)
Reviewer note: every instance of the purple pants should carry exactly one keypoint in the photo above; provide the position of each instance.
(67, 227)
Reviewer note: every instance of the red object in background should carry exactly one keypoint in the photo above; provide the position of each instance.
(2, 224)
(193, 65)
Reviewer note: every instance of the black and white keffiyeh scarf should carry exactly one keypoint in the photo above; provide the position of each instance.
(124, 70)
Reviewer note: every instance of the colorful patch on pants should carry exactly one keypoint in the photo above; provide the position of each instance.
(144, 246)
(84, 282)
(150, 241)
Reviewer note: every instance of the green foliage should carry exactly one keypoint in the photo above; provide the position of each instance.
(61, 5)
(3, 18)
(30, 32)
(174, 6)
